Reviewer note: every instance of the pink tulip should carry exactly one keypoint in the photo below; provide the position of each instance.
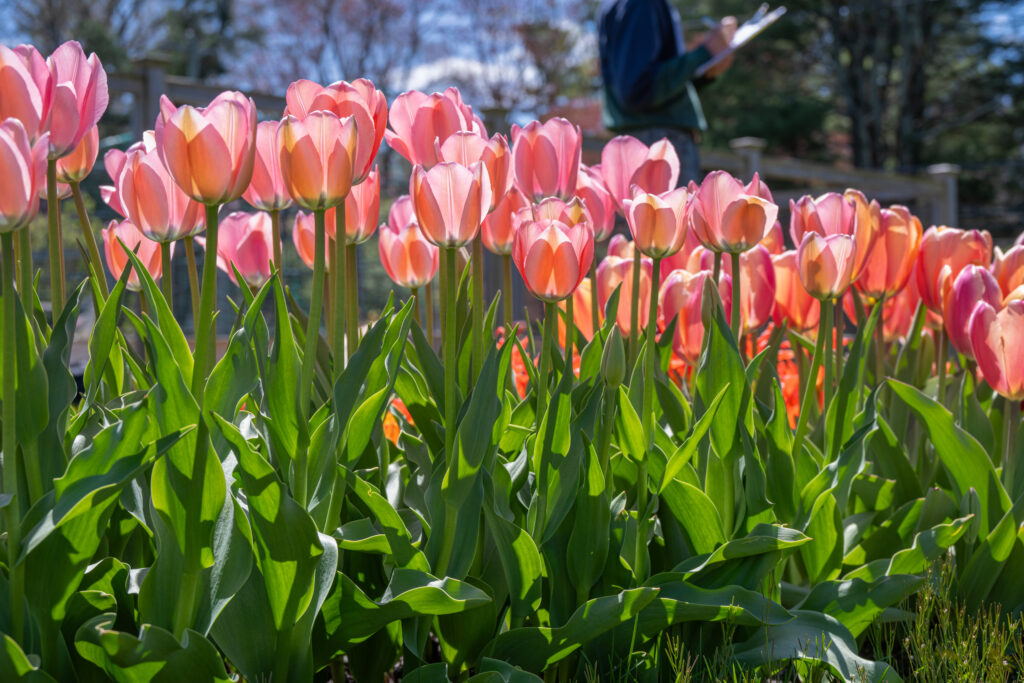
(498, 229)
(151, 199)
(728, 216)
(793, 304)
(245, 244)
(825, 264)
(625, 162)
(23, 173)
(304, 236)
(547, 158)
(321, 155)
(147, 250)
(267, 191)
(941, 247)
(1009, 270)
(343, 99)
(74, 167)
(773, 240)
(27, 88)
(658, 221)
(835, 214)
(598, 200)
(996, 342)
(621, 246)
(582, 313)
(552, 257)
(615, 272)
(450, 201)
(757, 283)
(680, 298)
(961, 295)
(891, 261)
(419, 122)
(409, 259)
(113, 162)
(362, 210)
(79, 96)
(467, 148)
(569, 212)
(211, 151)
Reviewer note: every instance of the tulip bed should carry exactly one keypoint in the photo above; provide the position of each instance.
(752, 454)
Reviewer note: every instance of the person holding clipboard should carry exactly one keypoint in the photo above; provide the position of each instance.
(651, 79)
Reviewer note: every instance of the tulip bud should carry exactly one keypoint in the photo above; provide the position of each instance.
(613, 360)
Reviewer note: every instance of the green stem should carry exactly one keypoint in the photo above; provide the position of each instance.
(642, 560)
(570, 334)
(451, 412)
(352, 286)
(826, 311)
(415, 295)
(595, 313)
(1011, 424)
(309, 348)
(10, 442)
(90, 240)
(810, 391)
(838, 313)
(940, 361)
(634, 310)
(506, 272)
(478, 306)
(205, 323)
(880, 345)
(56, 241)
(193, 280)
(275, 235)
(550, 315)
(428, 301)
(24, 240)
(165, 274)
(737, 323)
(338, 274)
(605, 434)
(718, 267)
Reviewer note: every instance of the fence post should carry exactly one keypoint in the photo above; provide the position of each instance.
(946, 209)
(153, 69)
(750, 149)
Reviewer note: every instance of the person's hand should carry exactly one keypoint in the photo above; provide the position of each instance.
(718, 40)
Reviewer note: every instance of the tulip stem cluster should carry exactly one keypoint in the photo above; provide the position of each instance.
(23, 240)
(10, 443)
(737, 323)
(810, 391)
(205, 322)
(311, 340)
(451, 410)
(56, 240)
(165, 281)
(940, 365)
(338, 313)
(95, 264)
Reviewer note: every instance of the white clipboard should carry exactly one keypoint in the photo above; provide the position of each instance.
(761, 20)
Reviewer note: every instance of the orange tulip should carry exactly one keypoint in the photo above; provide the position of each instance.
(79, 97)
(825, 264)
(773, 240)
(658, 221)
(869, 225)
(211, 151)
(581, 313)
(409, 259)
(552, 257)
(680, 298)
(362, 211)
(598, 200)
(304, 239)
(793, 304)
(23, 170)
(891, 261)
(1009, 271)
(728, 216)
(996, 342)
(625, 162)
(942, 246)
(147, 250)
(420, 121)
(321, 156)
(961, 296)
(74, 167)
(267, 191)
(836, 214)
(467, 148)
(546, 158)
(27, 87)
(614, 272)
(500, 225)
(450, 201)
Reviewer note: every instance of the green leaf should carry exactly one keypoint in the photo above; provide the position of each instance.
(679, 601)
(31, 383)
(521, 562)
(406, 555)
(496, 671)
(103, 352)
(856, 603)
(696, 513)
(15, 665)
(762, 539)
(588, 542)
(686, 450)
(630, 430)
(282, 384)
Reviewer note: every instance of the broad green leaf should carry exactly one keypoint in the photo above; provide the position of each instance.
(588, 543)
(521, 562)
(686, 450)
(496, 671)
(679, 601)
(697, 515)
(630, 430)
(856, 603)
(406, 555)
(15, 665)
(103, 351)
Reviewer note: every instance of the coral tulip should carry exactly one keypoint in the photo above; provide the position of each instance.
(320, 155)
(1009, 269)
(267, 191)
(74, 167)
(614, 272)
(79, 96)
(598, 200)
(26, 88)
(942, 246)
(419, 122)
(467, 148)
(23, 169)
(552, 257)
(582, 313)
(547, 158)
(409, 259)
(891, 261)
(245, 245)
(793, 304)
(971, 287)
(681, 297)
(757, 283)
(996, 342)
(728, 216)
(825, 264)
(499, 226)
(773, 240)
(151, 199)
(658, 221)
(621, 246)
(450, 201)
(625, 161)
(210, 151)
(362, 210)
(147, 250)
(836, 214)
(303, 237)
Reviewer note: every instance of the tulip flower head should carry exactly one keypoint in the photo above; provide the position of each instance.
(79, 97)
(408, 257)
(74, 167)
(621, 246)
(267, 191)
(728, 216)
(26, 89)
(246, 245)
(793, 304)
(343, 99)
(467, 148)
(304, 239)
(625, 162)
(598, 200)
(942, 246)
(972, 286)
(362, 210)
(582, 313)
(552, 257)
(658, 221)
(450, 201)
(681, 298)
(891, 261)
(614, 272)
(825, 264)
(996, 342)
(419, 122)
(210, 151)
(23, 174)
(322, 155)
(836, 214)
(147, 250)
(1009, 270)
(773, 240)
(546, 158)
(498, 228)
